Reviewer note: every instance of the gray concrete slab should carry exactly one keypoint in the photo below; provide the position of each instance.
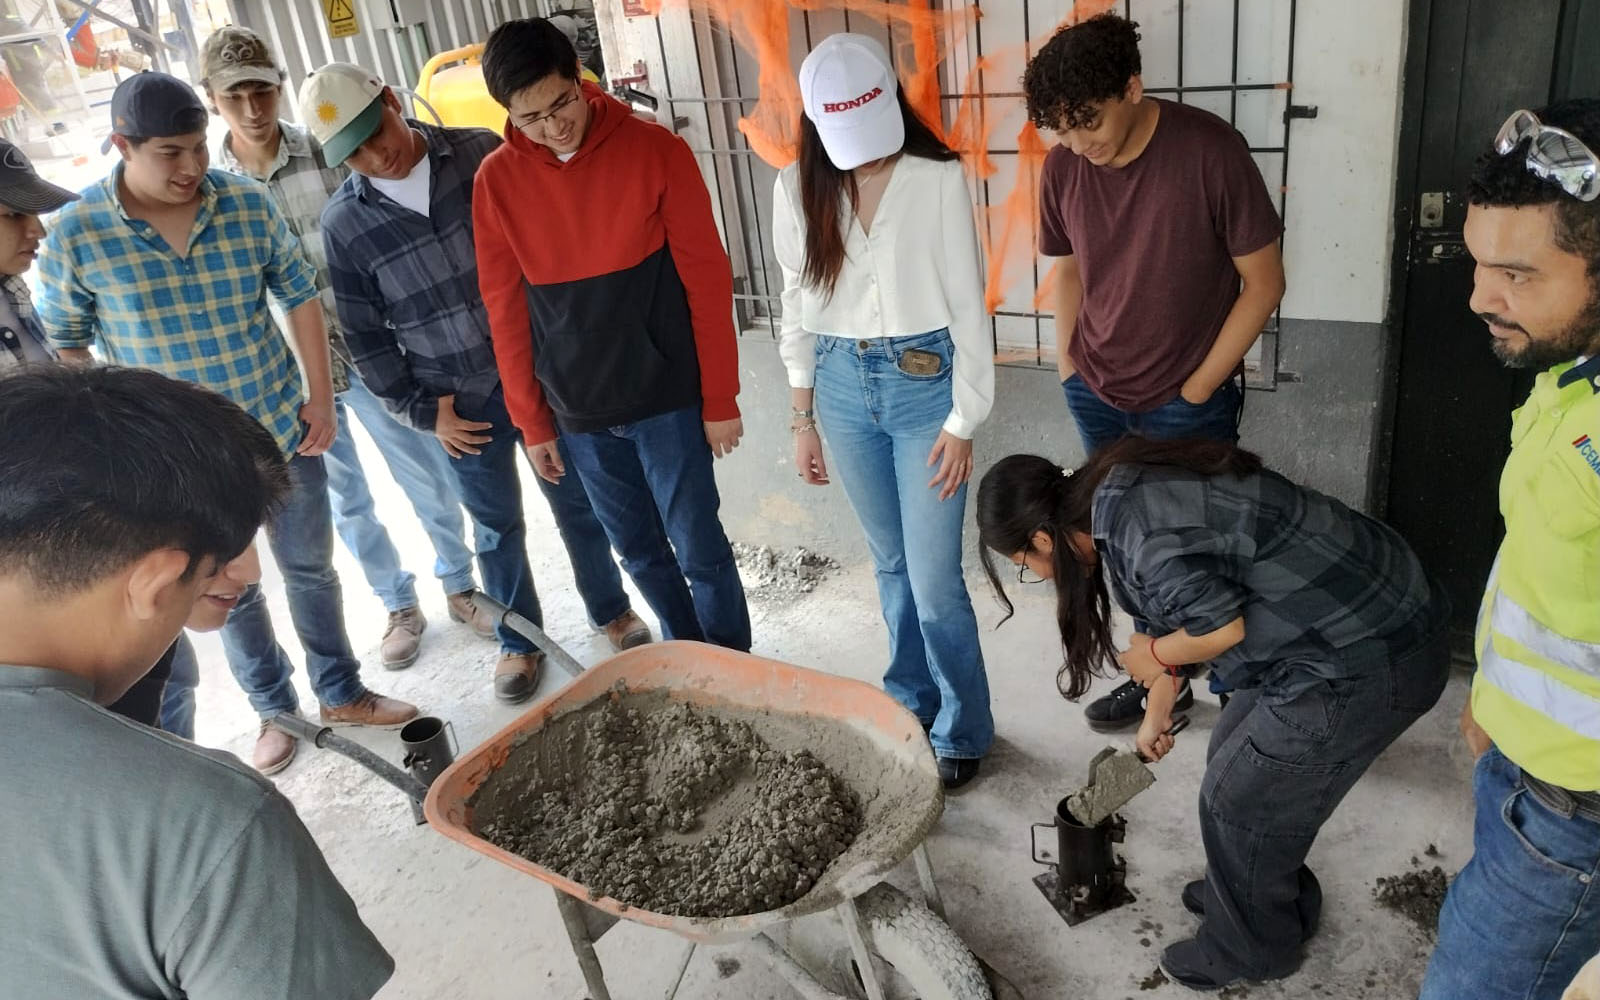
(461, 926)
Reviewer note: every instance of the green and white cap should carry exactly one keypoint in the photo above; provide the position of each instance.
(342, 105)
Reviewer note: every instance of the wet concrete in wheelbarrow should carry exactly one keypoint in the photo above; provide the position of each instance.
(671, 808)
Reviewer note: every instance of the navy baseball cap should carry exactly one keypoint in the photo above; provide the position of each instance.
(152, 105)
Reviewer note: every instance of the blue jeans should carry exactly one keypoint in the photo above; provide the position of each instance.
(1524, 914)
(654, 491)
(177, 701)
(492, 494)
(881, 424)
(1100, 423)
(301, 538)
(594, 571)
(422, 469)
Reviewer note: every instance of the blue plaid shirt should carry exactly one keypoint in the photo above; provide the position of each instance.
(406, 286)
(202, 318)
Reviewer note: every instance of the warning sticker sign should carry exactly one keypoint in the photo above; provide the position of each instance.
(341, 18)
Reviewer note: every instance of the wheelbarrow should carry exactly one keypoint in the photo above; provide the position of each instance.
(893, 947)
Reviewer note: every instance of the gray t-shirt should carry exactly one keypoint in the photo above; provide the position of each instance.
(136, 865)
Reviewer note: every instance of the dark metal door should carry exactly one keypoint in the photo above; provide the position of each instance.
(1470, 64)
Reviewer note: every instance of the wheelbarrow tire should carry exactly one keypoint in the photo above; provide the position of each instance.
(924, 950)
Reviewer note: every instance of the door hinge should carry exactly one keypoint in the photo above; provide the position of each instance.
(1299, 111)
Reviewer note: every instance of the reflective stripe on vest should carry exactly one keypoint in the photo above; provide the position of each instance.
(1540, 691)
(1512, 620)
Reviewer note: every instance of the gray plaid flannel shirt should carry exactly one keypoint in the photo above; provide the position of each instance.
(1309, 575)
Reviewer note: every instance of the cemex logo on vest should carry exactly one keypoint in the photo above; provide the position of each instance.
(1587, 450)
(855, 103)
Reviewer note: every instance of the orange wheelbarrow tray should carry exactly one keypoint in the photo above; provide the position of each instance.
(871, 742)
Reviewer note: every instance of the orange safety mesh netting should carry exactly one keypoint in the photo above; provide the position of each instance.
(1008, 224)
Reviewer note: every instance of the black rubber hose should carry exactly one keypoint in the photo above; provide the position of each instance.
(528, 630)
(324, 737)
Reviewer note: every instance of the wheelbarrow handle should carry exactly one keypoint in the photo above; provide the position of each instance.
(503, 615)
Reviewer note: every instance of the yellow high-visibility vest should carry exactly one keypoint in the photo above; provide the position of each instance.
(1537, 691)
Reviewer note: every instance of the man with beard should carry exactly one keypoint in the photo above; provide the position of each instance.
(1523, 916)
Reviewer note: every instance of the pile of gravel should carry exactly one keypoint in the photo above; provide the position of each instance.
(782, 572)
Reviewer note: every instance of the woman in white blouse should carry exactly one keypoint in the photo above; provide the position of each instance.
(887, 349)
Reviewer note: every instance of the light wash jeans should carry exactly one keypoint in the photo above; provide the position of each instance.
(1524, 914)
(421, 467)
(881, 423)
(301, 537)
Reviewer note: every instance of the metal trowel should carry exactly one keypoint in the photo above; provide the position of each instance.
(1115, 777)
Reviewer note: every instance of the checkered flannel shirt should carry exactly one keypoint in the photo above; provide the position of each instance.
(407, 285)
(203, 318)
(1309, 575)
(301, 182)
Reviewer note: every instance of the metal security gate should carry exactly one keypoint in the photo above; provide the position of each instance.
(1232, 57)
(395, 39)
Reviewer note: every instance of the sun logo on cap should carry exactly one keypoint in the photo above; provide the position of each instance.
(327, 112)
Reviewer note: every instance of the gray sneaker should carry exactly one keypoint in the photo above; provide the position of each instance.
(402, 640)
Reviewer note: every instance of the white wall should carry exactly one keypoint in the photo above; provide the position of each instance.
(1338, 235)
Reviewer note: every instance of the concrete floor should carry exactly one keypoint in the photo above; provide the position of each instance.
(460, 925)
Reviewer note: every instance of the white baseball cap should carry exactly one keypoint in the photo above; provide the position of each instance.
(848, 88)
(342, 105)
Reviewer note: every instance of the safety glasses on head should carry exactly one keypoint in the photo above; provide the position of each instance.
(1553, 154)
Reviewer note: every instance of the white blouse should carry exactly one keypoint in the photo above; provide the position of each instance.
(917, 272)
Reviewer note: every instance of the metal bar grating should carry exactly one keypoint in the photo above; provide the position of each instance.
(740, 206)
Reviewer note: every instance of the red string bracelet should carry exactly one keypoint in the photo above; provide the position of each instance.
(1171, 668)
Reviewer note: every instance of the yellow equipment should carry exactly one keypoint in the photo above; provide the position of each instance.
(458, 93)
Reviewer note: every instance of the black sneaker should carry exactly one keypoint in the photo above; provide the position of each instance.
(1309, 902)
(955, 772)
(1123, 708)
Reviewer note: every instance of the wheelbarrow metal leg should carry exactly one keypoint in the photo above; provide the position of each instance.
(930, 889)
(582, 945)
(854, 930)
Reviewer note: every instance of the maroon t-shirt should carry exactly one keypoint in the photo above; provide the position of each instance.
(1155, 242)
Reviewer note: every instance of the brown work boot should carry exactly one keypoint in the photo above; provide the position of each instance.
(371, 709)
(274, 749)
(463, 610)
(402, 640)
(517, 675)
(627, 631)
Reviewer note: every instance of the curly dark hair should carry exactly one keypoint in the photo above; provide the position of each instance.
(1081, 65)
(1506, 181)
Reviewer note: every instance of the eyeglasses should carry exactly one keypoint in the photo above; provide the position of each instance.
(555, 109)
(1025, 574)
(1553, 154)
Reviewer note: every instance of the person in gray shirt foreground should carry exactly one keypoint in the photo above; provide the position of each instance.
(137, 865)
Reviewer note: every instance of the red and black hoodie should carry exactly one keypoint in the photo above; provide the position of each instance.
(609, 293)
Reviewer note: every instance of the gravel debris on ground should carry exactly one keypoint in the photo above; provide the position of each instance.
(1415, 895)
(782, 572)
